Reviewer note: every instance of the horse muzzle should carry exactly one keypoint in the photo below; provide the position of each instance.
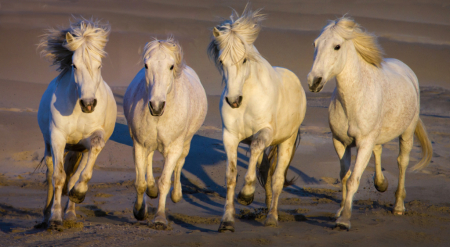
(88, 105)
(156, 108)
(316, 85)
(234, 102)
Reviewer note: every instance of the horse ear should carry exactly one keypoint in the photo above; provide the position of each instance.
(69, 37)
(216, 32)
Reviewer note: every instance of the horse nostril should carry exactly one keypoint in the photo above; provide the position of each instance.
(317, 80)
(226, 98)
(162, 105)
(239, 100)
(95, 103)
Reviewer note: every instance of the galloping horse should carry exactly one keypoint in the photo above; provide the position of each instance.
(262, 106)
(77, 113)
(375, 101)
(164, 105)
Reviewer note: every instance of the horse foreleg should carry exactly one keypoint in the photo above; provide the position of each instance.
(345, 155)
(381, 183)
(285, 150)
(152, 188)
(364, 153)
(406, 144)
(171, 157)
(95, 142)
(69, 212)
(231, 144)
(177, 191)
(261, 140)
(59, 176)
(140, 156)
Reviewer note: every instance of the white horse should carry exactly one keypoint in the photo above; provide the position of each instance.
(262, 106)
(164, 105)
(77, 113)
(375, 101)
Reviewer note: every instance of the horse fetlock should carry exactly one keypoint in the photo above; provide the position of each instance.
(152, 191)
(245, 199)
(76, 195)
(176, 195)
(381, 184)
(338, 213)
(140, 187)
(271, 220)
(226, 226)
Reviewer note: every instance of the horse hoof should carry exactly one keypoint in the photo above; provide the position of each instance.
(160, 220)
(398, 212)
(76, 197)
(71, 216)
(152, 192)
(343, 224)
(245, 199)
(271, 220)
(227, 226)
(381, 186)
(158, 226)
(176, 197)
(142, 213)
(55, 225)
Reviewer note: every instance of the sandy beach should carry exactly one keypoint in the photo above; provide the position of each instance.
(415, 32)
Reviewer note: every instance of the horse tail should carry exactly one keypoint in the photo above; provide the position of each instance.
(427, 148)
(269, 162)
(71, 161)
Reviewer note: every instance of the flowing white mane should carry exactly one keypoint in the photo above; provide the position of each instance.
(172, 48)
(235, 37)
(366, 44)
(88, 35)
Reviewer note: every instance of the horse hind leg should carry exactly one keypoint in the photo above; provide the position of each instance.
(380, 182)
(406, 141)
(285, 151)
(49, 175)
(262, 140)
(73, 160)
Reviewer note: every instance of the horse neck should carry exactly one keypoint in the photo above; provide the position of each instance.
(352, 84)
(260, 71)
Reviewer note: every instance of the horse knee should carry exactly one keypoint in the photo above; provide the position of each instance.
(97, 144)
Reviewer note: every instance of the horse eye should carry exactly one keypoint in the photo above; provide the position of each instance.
(314, 45)
(99, 67)
(337, 47)
(245, 60)
(75, 67)
(171, 68)
(220, 61)
(146, 66)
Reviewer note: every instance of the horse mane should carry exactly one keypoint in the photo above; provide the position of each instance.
(366, 44)
(90, 35)
(235, 37)
(171, 47)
